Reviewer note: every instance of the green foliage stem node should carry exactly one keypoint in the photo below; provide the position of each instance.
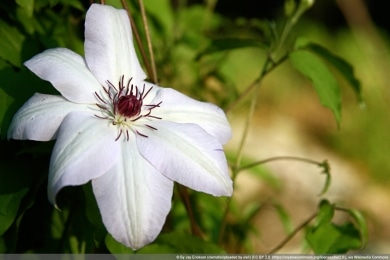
(326, 237)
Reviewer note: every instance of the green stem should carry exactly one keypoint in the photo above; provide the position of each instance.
(256, 82)
(137, 39)
(235, 167)
(195, 229)
(306, 160)
(149, 42)
(292, 234)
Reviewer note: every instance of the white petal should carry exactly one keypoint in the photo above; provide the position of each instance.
(40, 117)
(67, 72)
(85, 149)
(179, 108)
(186, 154)
(134, 198)
(109, 48)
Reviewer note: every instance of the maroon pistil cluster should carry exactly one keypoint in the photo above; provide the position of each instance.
(126, 101)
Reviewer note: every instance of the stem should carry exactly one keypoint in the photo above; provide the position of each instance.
(195, 229)
(292, 234)
(251, 111)
(242, 144)
(149, 42)
(137, 38)
(280, 158)
(255, 82)
(65, 232)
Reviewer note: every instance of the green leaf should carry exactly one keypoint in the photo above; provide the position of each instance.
(333, 239)
(217, 45)
(284, 218)
(346, 69)
(27, 6)
(11, 41)
(162, 11)
(361, 224)
(14, 185)
(115, 247)
(326, 170)
(326, 237)
(181, 243)
(323, 79)
(325, 213)
(5, 102)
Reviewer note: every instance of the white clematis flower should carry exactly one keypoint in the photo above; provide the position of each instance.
(131, 138)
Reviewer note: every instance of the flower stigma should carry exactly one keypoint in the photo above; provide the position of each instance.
(124, 107)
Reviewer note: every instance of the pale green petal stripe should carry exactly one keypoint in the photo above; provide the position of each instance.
(85, 149)
(187, 154)
(109, 48)
(133, 197)
(41, 116)
(176, 107)
(68, 73)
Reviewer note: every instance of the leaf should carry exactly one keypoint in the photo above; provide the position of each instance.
(326, 237)
(27, 6)
(333, 239)
(326, 170)
(115, 247)
(11, 41)
(346, 69)
(181, 243)
(325, 213)
(15, 180)
(362, 224)
(284, 218)
(323, 79)
(217, 45)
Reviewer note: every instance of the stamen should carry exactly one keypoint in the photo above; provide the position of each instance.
(147, 92)
(127, 135)
(119, 135)
(123, 104)
(151, 127)
(135, 119)
(102, 107)
(141, 134)
(155, 117)
(97, 95)
(101, 117)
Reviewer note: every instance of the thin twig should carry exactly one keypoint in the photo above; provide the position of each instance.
(149, 42)
(242, 144)
(292, 234)
(306, 160)
(137, 38)
(254, 84)
(195, 229)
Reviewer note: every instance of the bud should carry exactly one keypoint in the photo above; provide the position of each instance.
(306, 4)
(289, 7)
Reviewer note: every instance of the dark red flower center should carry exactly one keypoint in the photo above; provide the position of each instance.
(129, 105)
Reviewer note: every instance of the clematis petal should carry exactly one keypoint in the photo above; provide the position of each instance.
(187, 154)
(109, 48)
(85, 149)
(179, 108)
(40, 117)
(134, 198)
(68, 73)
